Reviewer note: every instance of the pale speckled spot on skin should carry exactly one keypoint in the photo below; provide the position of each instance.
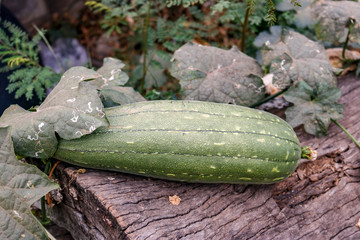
(262, 132)
(219, 154)
(184, 173)
(188, 117)
(249, 170)
(287, 155)
(219, 143)
(127, 127)
(275, 169)
(254, 156)
(117, 166)
(205, 115)
(171, 174)
(266, 159)
(287, 163)
(155, 153)
(277, 179)
(260, 123)
(112, 152)
(141, 172)
(130, 142)
(245, 179)
(71, 100)
(82, 152)
(212, 166)
(260, 140)
(235, 158)
(277, 144)
(219, 177)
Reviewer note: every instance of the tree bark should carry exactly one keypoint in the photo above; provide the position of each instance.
(321, 200)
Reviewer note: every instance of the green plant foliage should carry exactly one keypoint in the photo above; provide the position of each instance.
(294, 58)
(72, 109)
(21, 185)
(111, 84)
(20, 53)
(216, 75)
(313, 107)
(335, 19)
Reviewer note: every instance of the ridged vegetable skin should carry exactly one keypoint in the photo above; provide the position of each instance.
(189, 141)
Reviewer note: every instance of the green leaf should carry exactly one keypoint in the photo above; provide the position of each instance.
(217, 75)
(111, 73)
(294, 58)
(313, 107)
(334, 19)
(21, 185)
(72, 109)
(110, 81)
(114, 96)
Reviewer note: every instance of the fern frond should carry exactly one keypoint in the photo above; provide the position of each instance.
(184, 3)
(220, 6)
(14, 30)
(97, 6)
(295, 3)
(4, 37)
(251, 5)
(270, 15)
(16, 61)
(26, 81)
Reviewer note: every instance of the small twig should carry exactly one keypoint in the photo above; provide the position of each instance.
(243, 36)
(146, 28)
(49, 46)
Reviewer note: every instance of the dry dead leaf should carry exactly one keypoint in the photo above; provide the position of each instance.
(174, 200)
(337, 61)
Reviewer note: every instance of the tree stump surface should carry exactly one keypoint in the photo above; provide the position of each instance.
(321, 200)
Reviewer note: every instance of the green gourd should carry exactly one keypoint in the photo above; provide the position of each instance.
(189, 141)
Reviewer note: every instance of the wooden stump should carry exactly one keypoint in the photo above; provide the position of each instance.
(321, 200)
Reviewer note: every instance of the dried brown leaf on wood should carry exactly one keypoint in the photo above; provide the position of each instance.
(174, 200)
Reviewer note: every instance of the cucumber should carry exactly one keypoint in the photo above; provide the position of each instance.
(189, 141)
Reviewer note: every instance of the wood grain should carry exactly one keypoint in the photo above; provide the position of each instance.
(321, 200)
